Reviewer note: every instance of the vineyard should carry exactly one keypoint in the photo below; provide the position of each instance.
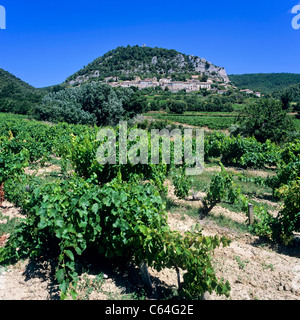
(214, 121)
(121, 213)
(211, 120)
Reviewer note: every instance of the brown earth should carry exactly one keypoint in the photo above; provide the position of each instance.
(48, 168)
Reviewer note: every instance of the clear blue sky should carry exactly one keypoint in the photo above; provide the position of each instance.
(46, 41)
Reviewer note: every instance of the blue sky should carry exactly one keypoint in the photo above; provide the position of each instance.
(45, 41)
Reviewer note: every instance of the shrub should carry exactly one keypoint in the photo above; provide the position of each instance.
(289, 216)
(248, 152)
(281, 228)
(222, 188)
(214, 144)
(182, 184)
(121, 220)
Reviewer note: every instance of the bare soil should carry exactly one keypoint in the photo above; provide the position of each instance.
(41, 171)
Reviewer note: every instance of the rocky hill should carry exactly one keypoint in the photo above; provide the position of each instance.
(145, 62)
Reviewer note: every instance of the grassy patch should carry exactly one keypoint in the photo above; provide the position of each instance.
(252, 189)
(212, 122)
(201, 183)
(7, 225)
(226, 222)
(174, 207)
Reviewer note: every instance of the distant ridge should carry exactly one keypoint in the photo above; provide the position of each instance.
(267, 83)
(16, 95)
(7, 78)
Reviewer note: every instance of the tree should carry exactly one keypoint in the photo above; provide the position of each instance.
(136, 104)
(92, 103)
(265, 120)
(285, 100)
(177, 106)
(297, 107)
(203, 78)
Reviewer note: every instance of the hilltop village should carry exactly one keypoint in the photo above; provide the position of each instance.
(192, 84)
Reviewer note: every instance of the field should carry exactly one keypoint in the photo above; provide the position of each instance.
(216, 121)
(210, 120)
(256, 269)
(52, 181)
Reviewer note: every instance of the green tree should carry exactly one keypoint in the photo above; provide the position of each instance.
(297, 107)
(135, 104)
(285, 100)
(265, 120)
(92, 103)
(203, 78)
(177, 106)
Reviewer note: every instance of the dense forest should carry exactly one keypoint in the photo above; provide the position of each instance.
(266, 83)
